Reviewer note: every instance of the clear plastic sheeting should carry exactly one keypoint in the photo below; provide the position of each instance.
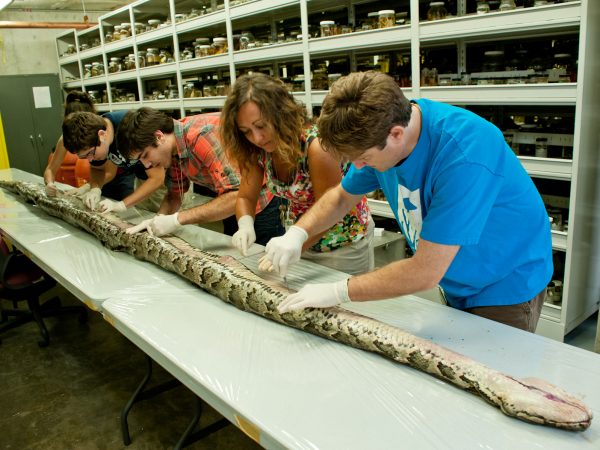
(291, 389)
(296, 390)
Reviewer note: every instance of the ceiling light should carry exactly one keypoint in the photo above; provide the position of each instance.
(5, 3)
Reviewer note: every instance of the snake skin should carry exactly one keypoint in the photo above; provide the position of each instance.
(531, 400)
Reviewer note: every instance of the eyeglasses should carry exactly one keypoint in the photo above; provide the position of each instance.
(87, 155)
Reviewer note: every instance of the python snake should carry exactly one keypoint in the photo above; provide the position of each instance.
(530, 400)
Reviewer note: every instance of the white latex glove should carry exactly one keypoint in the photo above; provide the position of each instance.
(322, 295)
(245, 236)
(91, 198)
(106, 206)
(158, 226)
(78, 192)
(142, 226)
(284, 250)
(51, 190)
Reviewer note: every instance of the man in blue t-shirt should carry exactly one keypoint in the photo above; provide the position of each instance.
(94, 137)
(467, 207)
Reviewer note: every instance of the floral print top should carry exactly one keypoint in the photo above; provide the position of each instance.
(300, 196)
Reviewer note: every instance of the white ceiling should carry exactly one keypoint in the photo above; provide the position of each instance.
(66, 5)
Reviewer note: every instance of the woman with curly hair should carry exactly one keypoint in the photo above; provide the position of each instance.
(267, 131)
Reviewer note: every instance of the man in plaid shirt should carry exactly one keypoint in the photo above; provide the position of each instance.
(190, 150)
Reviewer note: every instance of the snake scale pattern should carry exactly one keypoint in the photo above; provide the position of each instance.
(531, 400)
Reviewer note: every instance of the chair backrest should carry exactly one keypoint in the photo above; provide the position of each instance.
(17, 271)
(82, 172)
(66, 172)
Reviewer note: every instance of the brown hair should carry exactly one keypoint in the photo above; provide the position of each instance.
(137, 128)
(359, 112)
(80, 131)
(282, 113)
(78, 101)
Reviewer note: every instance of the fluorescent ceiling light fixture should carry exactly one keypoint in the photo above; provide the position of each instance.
(5, 3)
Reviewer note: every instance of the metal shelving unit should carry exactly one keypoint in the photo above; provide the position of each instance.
(580, 244)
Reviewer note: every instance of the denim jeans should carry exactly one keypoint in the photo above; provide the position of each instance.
(119, 187)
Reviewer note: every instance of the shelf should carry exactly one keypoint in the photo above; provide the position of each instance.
(121, 44)
(162, 104)
(362, 40)
(68, 59)
(200, 22)
(515, 23)
(559, 240)
(94, 81)
(154, 35)
(504, 94)
(102, 107)
(91, 53)
(380, 208)
(119, 106)
(552, 168)
(207, 62)
(259, 7)
(75, 84)
(317, 97)
(204, 102)
(168, 69)
(125, 75)
(269, 52)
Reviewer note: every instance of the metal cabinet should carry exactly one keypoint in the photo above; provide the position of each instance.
(31, 108)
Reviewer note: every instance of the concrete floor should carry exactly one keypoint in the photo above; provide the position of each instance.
(70, 394)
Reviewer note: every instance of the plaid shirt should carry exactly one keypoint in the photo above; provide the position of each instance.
(201, 159)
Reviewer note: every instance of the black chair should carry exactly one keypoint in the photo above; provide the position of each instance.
(22, 280)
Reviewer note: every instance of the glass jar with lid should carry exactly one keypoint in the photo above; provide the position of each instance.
(173, 92)
(493, 61)
(97, 69)
(114, 65)
(188, 90)
(129, 62)
(246, 38)
(220, 88)
(87, 70)
(372, 22)
(116, 33)
(95, 96)
(332, 78)
(437, 11)
(154, 23)
(208, 89)
(203, 50)
(108, 37)
(541, 147)
(327, 27)
(507, 5)
(152, 58)
(387, 18)
(125, 30)
(219, 45)
(483, 7)
(141, 58)
(165, 57)
(139, 27)
(187, 53)
(564, 61)
(71, 50)
(180, 18)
